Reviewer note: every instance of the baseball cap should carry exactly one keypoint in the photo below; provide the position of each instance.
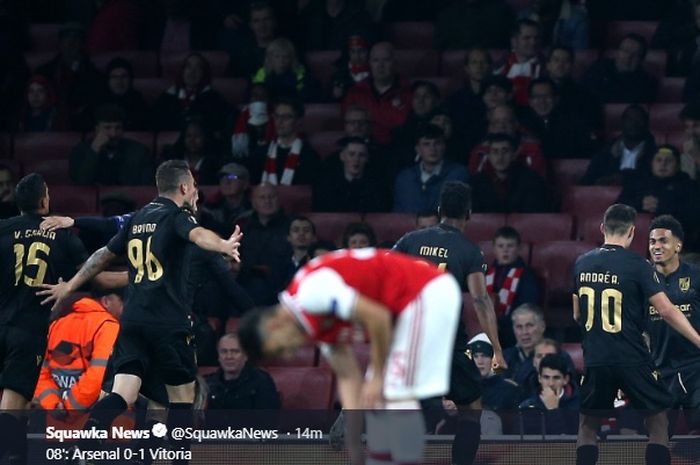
(234, 171)
(481, 344)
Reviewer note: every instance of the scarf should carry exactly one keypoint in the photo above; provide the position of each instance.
(358, 72)
(290, 165)
(508, 289)
(240, 140)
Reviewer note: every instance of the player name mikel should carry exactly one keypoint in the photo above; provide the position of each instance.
(433, 251)
(143, 228)
(117, 432)
(605, 278)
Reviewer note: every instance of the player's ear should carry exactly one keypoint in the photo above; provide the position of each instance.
(602, 229)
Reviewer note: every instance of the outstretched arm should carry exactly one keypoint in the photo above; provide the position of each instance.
(674, 318)
(209, 240)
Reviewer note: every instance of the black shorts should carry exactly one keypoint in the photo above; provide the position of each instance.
(465, 379)
(21, 354)
(642, 385)
(684, 386)
(166, 354)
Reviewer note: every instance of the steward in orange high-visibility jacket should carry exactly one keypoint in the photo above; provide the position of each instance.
(78, 349)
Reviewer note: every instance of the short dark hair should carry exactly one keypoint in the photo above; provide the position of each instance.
(540, 81)
(429, 131)
(568, 50)
(359, 227)
(493, 138)
(428, 85)
(250, 331)
(483, 50)
(345, 141)
(455, 200)
(29, 192)
(303, 218)
(507, 232)
(119, 62)
(170, 174)
(520, 24)
(635, 107)
(554, 362)
(110, 113)
(670, 223)
(320, 245)
(295, 104)
(618, 219)
(639, 39)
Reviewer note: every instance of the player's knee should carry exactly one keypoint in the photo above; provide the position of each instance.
(127, 386)
(183, 393)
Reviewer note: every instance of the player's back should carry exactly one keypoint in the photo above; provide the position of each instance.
(613, 286)
(30, 257)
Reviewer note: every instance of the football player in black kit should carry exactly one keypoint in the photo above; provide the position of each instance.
(446, 246)
(29, 257)
(155, 334)
(613, 286)
(675, 357)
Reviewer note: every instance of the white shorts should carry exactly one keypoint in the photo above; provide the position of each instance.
(421, 350)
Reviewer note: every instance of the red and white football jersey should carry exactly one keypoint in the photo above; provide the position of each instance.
(322, 294)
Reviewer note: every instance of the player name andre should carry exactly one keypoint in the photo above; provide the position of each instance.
(604, 278)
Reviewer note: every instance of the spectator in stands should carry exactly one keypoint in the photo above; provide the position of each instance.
(455, 146)
(628, 154)
(472, 23)
(531, 383)
(8, 208)
(196, 146)
(231, 201)
(352, 66)
(191, 95)
(348, 187)
(510, 280)
(623, 79)
(73, 76)
(506, 185)
(563, 134)
(359, 235)
(524, 62)
(253, 130)
(552, 410)
(237, 385)
(528, 327)
(573, 97)
(117, 25)
(184, 25)
(321, 247)
(497, 391)
(247, 50)
(40, 112)
(664, 189)
(120, 91)
(418, 187)
(562, 23)
(283, 74)
(327, 24)
(110, 158)
(265, 254)
(289, 160)
(302, 234)
(677, 33)
(426, 219)
(385, 94)
(502, 120)
(690, 156)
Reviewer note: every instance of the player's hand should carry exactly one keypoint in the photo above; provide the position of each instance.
(650, 203)
(52, 223)
(550, 398)
(55, 293)
(371, 395)
(232, 244)
(498, 364)
(450, 407)
(101, 139)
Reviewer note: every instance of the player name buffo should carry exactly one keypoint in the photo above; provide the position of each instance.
(433, 251)
(143, 228)
(605, 278)
(28, 233)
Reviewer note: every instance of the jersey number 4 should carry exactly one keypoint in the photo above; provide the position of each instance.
(144, 260)
(608, 298)
(32, 259)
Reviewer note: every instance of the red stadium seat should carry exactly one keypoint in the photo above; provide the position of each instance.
(330, 226)
(542, 227)
(583, 59)
(146, 138)
(164, 139)
(232, 325)
(234, 91)
(665, 116)
(36, 59)
(151, 88)
(575, 351)
(361, 351)
(322, 117)
(209, 192)
(141, 194)
(567, 172)
(205, 371)
(54, 171)
(417, 63)
(171, 63)
(303, 388)
(618, 29)
(391, 226)
(325, 143)
(44, 37)
(72, 199)
(295, 199)
(675, 137)
(671, 90)
(215, 324)
(144, 63)
(489, 256)
(410, 34)
(589, 201)
(482, 226)
(654, 63)
(321, 65)
(45, 145)
(306, 356)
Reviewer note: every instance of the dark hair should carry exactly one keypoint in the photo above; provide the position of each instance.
(498, 81)
(359, 228)
(429, 131)
(29, 192)
(670, 223)
(520, 24)
(618, 219)
(296, 106)
(110, 113)
(170, 174)
(568, 50)
(493, 138)
(428, 85)
(249, 331)
(320, 245)
(554, 362)
(691, 111)
(637, 108)
(455, 200)
(345, 141)
(507, 232)
(303, 218)
(120, 62)
(639, 39)
(258, 5)
(483, 50)
(540, 81)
